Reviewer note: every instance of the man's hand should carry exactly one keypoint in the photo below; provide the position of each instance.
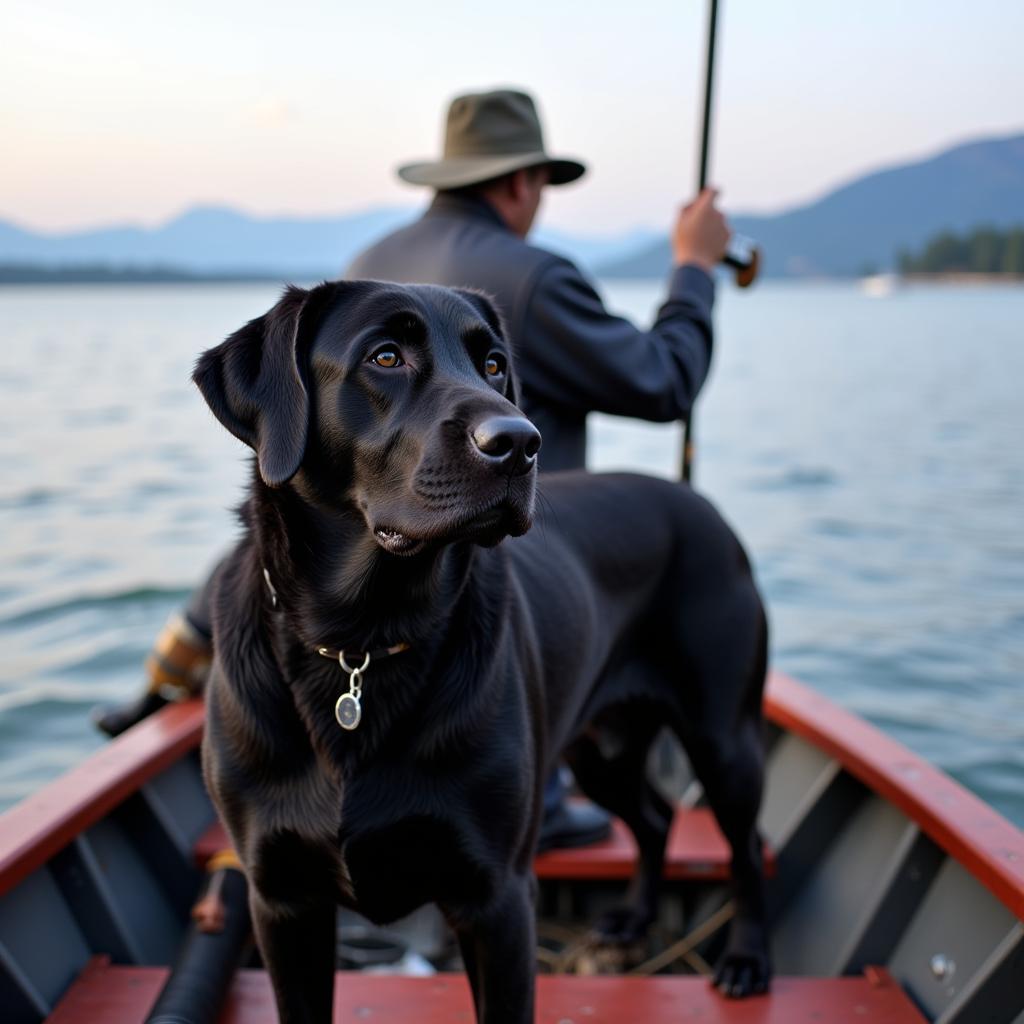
(701, 232)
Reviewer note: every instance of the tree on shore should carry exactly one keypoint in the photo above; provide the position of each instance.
(985, 250)
(1013, 254)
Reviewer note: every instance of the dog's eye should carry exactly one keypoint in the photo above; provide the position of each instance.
(387, 357)
(494, 364)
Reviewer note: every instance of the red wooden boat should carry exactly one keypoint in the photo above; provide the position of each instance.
(896, 895)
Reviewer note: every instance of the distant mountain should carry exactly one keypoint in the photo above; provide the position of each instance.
(866, 222)
(219, 240)
(213, 239)
(863, 223)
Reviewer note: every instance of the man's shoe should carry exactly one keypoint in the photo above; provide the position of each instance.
(114, 720)
(573, 823)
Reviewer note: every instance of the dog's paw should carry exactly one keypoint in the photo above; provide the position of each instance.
(741, 974)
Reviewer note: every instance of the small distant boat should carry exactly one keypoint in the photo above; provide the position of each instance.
(877, 286)
(895, 894)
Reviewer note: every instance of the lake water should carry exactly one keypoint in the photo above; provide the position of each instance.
(869, 451)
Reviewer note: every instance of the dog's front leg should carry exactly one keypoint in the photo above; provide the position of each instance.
(499, 949)
(298, 947)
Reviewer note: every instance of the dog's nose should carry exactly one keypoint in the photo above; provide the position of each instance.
(509, 443)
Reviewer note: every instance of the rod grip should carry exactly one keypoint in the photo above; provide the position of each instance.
(744, 256)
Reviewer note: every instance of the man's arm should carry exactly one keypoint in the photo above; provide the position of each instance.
(579, 356)
(583, 358)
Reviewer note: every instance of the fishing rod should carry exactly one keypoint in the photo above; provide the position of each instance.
(742, 253)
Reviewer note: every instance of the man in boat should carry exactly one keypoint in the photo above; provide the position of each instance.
(573, 356)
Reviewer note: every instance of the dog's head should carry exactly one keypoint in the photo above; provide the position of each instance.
(396, 401)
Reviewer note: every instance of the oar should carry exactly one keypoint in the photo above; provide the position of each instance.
(742, 254)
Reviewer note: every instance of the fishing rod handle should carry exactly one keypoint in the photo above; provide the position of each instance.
(744, 256)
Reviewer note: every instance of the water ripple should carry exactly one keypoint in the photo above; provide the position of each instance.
(798, 478)
(34, 498)
(90, 602)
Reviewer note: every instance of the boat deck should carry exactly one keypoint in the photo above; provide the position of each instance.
(124, 995)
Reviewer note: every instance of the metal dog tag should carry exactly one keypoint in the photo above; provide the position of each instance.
(347, 711)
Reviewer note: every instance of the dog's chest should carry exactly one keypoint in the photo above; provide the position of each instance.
(393, 868)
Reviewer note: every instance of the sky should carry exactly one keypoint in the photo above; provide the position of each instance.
(130, 112)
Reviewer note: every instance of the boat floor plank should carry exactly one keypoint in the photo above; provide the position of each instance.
(697, 850)
(124, 995)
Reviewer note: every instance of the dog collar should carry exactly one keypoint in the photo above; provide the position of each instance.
(347, 710)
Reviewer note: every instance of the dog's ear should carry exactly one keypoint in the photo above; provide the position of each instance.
(255, 381)
(484, 305)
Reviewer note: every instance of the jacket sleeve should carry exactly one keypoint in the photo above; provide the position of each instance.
(580, 356)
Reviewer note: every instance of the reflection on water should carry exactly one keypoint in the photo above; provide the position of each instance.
(868, 451)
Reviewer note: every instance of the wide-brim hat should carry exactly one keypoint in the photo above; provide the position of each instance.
(489, 134)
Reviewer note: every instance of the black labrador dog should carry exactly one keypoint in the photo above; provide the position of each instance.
(392, 686)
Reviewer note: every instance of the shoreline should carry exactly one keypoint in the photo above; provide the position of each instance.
(14, 275)
(98, 274)
(960, 277)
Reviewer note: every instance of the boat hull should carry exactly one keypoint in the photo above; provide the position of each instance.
(879, 862)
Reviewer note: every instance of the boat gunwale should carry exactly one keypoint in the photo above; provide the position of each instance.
(972, 833)
(988, 846)
(41, 825)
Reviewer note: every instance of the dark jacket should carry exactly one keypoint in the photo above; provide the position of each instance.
(572, 356)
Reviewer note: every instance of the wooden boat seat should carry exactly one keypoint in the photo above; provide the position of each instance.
(124, 995)
(697, 850)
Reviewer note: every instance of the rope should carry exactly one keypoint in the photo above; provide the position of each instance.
(685, 946)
